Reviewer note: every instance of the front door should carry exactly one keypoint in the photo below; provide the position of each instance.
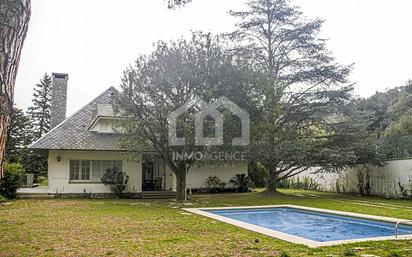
(148, 178)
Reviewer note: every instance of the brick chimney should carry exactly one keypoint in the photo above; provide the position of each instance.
(59, 99)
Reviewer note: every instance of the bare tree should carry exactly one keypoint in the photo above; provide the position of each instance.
(14, 20)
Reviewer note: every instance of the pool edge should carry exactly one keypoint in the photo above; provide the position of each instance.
(297, 239)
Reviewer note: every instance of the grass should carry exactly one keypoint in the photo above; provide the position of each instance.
(80, 227)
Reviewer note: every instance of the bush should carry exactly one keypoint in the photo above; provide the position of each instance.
(116, 179)
(43, 181)
(242, 183)
(305, 183)
(214, 184)
(364, 184)
(257, 174)
(2, 199)
(11, 181)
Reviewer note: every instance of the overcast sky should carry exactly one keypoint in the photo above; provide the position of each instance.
(94, 40)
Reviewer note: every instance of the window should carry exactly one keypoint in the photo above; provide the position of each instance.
(100, 167)
(91, 171)
(79, 170)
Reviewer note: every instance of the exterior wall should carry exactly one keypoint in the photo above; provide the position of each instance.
(197, 176)
(384, 181)
(58, 173)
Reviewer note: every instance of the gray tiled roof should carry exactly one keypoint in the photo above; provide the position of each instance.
(73, 132)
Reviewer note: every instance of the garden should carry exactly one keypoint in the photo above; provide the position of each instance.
(84, 227)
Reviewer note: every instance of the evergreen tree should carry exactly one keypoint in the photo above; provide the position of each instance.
(301, 89)
(17, 136)
(39, 112)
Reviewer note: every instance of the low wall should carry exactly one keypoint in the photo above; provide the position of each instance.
(384, 181)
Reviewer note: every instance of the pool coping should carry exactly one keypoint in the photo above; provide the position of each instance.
(297, 239)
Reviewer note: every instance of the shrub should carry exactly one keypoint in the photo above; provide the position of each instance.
(11, 181)
(305, 183)
(2, 198)
(116, 179)
(43, 181)
(242, 183)
(257, 174)
(364, 185)
(214, 184)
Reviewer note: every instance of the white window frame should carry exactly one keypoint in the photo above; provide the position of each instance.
(90, 180)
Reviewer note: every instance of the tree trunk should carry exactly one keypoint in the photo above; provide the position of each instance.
(14, 20)
(180, 185)
(272, 182)
(272, 178)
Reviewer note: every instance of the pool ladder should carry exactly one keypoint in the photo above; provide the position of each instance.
(406, 222)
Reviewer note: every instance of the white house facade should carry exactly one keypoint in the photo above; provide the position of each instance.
(82, 147)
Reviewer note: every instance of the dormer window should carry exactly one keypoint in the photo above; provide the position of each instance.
(105, 120)
(105, 125)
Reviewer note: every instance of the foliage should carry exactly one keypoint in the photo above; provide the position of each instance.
(306, 183)
(43, 181)
(300, 91)
(26, 129)
(391, 120)
(214, 184)
(257, 173)
(39, 112)
(405, 190)
(174, 74)
(11, 181)
(116, 179)
(402, 127)
(34, 163)
(339, 189)
(17, 138)
(242, 183)
(397, 141)
(364, 186)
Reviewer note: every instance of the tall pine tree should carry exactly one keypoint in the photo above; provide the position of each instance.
(17, 140)
(39, 112)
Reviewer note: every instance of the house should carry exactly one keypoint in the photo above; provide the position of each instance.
(80, 148)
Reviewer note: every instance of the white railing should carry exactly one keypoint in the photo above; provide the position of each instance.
(405, 222)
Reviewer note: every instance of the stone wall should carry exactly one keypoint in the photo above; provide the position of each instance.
(384, 181)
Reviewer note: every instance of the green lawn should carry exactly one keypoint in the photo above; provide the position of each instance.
(80, 227)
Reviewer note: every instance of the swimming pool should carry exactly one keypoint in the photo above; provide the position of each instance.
(310, 226)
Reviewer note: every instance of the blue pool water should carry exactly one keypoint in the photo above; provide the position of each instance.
(316, 226)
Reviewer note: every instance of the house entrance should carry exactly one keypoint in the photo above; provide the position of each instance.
(153, 174)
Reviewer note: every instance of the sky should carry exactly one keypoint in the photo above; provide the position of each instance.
(95, 40)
